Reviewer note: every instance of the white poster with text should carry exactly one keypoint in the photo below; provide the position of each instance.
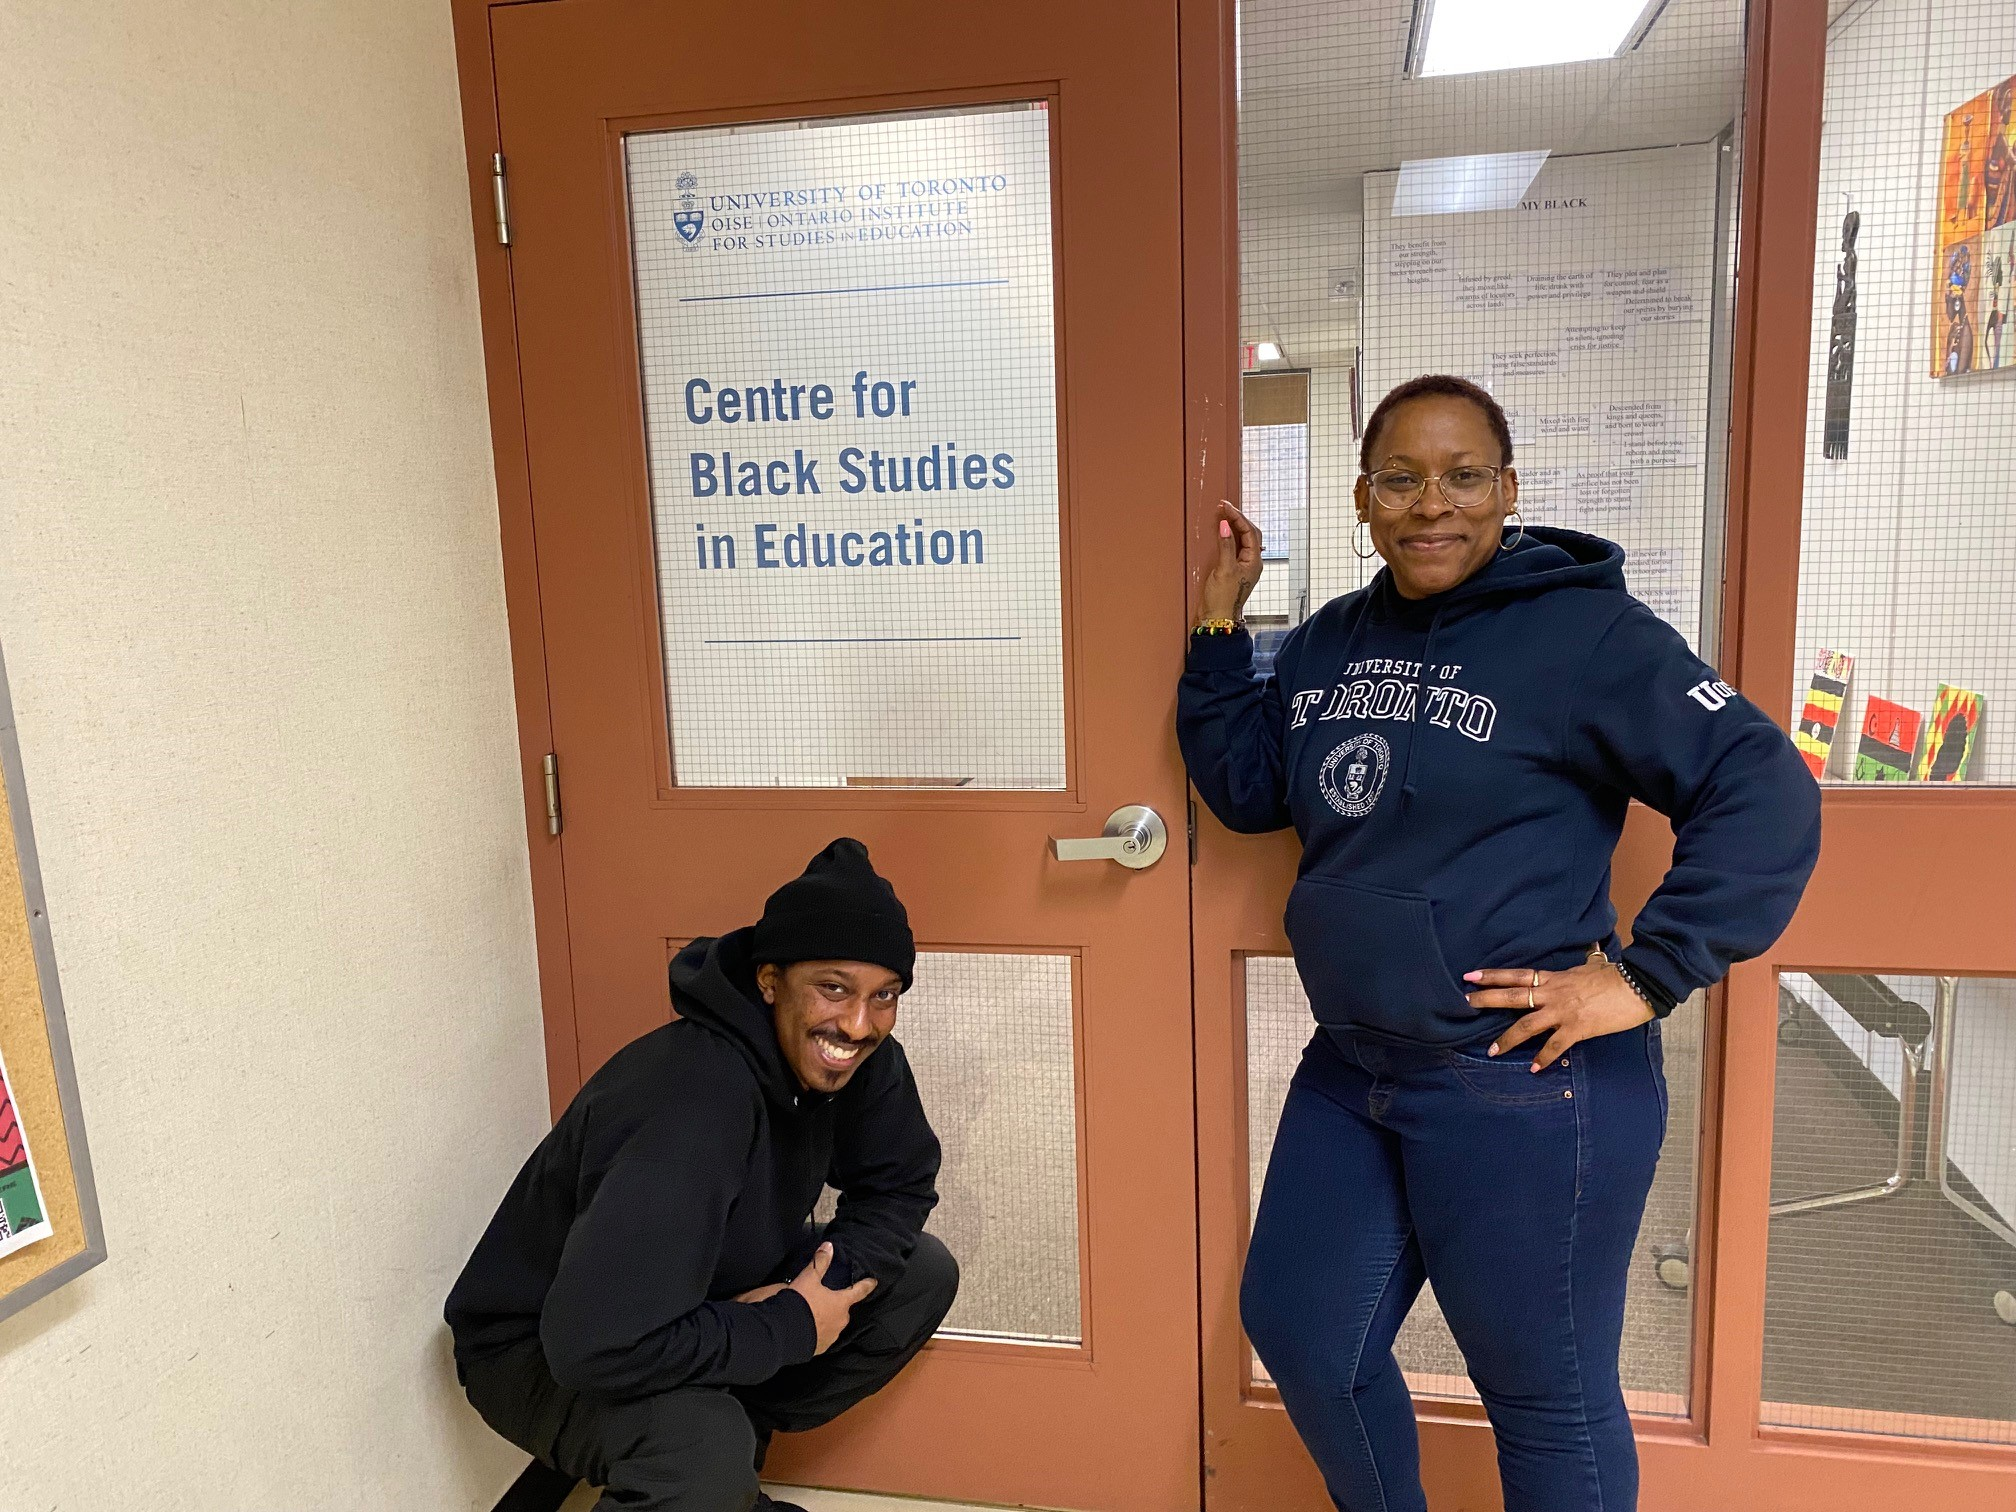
(847, 337)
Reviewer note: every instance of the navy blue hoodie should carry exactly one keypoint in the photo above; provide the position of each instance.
(1459, 768)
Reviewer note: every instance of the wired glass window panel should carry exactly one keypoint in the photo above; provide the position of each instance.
(846, 331)
(1562, 232)
(991, 1040)
(1655, 1358)
(1274, 488)
(1563, 235)
(1907, 579)
(1890, 1296)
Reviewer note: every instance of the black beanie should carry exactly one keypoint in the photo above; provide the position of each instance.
(839, 910)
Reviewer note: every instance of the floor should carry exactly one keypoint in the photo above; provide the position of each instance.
(812, 1501)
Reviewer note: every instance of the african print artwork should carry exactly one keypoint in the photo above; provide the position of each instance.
(1889, 740)
(1974, 274)
(1821, 716)
(1949, 744)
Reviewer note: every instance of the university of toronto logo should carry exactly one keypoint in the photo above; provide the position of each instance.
(1353, 776)
(689, 219)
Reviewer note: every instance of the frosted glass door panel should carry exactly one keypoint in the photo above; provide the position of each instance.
(846, 331)
(990, 1038)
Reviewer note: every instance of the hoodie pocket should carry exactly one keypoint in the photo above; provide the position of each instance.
(1372, 958)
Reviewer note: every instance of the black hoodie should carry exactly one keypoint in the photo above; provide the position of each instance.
(683, 1174)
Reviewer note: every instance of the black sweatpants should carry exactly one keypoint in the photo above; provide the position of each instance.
(698, 1448)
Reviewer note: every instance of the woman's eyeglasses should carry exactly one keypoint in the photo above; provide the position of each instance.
(1465, 487)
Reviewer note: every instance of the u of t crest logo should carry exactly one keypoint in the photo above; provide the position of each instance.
(1353, 776)
(689, 219)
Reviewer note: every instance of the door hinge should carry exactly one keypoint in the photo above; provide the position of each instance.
(551, 767)
(502, 199)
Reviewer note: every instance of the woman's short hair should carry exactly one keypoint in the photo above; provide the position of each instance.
(1446, 385)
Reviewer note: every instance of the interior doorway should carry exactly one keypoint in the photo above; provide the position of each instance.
(1171, 231)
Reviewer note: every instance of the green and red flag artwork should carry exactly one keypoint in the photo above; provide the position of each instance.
(1814, 734)
(1889, 740)
(23, 1218)
(1949, 744)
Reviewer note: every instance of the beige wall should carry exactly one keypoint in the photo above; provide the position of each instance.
(251, 603)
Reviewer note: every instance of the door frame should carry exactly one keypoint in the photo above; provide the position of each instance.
(1147, 1197)
(1719, 1454)
(481, 141)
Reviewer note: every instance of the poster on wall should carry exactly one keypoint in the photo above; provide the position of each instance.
(23, 1214)
(1949, 744)
(846, 330)
(1821, 716)
(1581, 298)
(1889, 740)
(1974, 274)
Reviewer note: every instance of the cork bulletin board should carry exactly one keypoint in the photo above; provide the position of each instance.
(49, 1227)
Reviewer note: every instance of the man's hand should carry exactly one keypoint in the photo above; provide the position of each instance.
(1585, 1002)
(829, 1308)
(762, 1293)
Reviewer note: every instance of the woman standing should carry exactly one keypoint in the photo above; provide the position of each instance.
(1456, 744)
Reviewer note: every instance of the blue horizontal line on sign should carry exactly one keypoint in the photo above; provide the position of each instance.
(862, 640)
(969, 283)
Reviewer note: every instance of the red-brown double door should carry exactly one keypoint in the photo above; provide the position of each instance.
(1149, 1404)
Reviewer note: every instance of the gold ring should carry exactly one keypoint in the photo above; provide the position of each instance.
(1530, 1004)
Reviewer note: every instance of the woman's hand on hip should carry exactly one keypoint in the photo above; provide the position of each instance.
(1229, 583)
(1585, 1002)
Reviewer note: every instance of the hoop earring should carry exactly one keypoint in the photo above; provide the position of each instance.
(1508, 545)
(1364, 556)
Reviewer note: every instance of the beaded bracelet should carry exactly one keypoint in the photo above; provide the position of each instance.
(1216, 627)
(1655, 1001)
(1632, 980)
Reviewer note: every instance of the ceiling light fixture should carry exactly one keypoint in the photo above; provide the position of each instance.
(1268, 351)
(1465, 185)
(1483, 36)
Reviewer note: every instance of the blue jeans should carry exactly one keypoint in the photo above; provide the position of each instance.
(1518, 1196)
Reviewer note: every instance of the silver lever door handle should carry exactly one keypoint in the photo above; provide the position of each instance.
(1135, 837)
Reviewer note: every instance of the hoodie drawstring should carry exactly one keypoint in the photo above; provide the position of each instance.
(1420, 698)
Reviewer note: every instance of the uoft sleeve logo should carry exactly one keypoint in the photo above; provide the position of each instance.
(689, 219)
(1354, 775)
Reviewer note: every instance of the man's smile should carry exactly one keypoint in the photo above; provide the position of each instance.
(837, 1051)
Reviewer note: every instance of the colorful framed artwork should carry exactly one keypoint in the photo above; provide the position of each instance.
(1821, 715)
(50, 1231)
(24, 1216)
(1889, 741)
(1974, 273)
(1949, 743)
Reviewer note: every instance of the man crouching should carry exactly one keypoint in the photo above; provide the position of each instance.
(652, 1301)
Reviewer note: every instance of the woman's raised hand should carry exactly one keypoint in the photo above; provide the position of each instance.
(1229, 582)
(1584, 1002)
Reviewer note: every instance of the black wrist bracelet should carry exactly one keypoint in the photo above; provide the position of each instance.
(1653, 996)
